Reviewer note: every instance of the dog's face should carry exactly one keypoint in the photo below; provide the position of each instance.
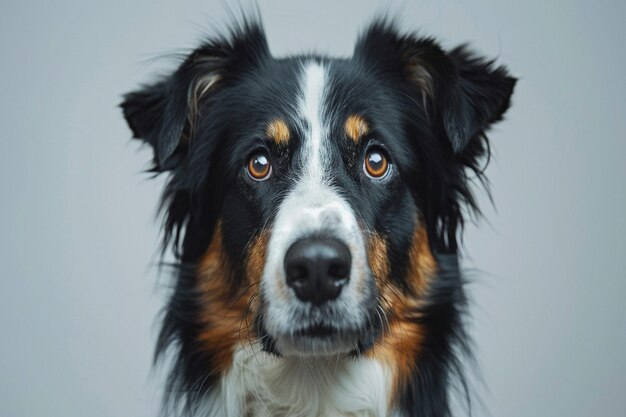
(316, 178)
(309, 196)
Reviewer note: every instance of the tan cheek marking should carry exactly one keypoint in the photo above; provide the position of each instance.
(402, 338)
(278, 131)
(422, 263)
(225, 317)
(377, 257)
(256, 257)
(355, 127)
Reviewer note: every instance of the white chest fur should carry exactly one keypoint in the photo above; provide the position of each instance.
(261, 385)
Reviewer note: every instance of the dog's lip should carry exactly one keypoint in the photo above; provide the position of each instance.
(318, 340)
(318, 330)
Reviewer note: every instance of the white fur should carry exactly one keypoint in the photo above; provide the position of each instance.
(261, 385)
(311, 108)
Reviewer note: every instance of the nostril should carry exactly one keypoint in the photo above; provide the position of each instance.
(339, 270)
(339, 264)
(297, 274)
(317, 269)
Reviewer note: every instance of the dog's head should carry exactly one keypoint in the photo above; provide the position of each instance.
(311, 200)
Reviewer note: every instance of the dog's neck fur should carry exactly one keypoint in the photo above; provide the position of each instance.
(261, 385)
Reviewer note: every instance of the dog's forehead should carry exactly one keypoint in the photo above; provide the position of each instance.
(292, 96)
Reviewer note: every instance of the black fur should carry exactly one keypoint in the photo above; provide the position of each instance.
(429, 110)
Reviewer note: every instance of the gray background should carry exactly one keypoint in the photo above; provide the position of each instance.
(78, 287)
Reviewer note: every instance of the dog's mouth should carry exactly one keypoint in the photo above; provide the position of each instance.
(306, 330)
(320, 340)
(317, 331)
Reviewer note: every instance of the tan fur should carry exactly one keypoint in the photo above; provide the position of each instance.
(278, 131)
(226, 316)
(355, 127)
(402, 337)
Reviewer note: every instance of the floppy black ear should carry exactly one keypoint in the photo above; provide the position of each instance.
(163, 114)
(146, 111)
(478, 97)
(464, 92)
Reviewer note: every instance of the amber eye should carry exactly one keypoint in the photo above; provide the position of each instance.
(376, 164)
(259, 167)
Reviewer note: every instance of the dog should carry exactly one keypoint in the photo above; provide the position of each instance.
(314, 206)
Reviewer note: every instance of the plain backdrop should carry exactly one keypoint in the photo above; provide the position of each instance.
(79, 294)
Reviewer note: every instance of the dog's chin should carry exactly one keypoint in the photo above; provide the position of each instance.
(318, 341)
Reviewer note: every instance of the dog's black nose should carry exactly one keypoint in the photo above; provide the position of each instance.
(317, 269)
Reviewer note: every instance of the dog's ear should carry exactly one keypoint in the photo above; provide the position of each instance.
(479, 97)
(164, 114)
(464, 93)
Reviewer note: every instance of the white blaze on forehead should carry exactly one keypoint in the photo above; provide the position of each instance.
(311, 109)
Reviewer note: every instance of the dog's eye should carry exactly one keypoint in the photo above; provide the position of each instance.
(376, 164)
(259, 167)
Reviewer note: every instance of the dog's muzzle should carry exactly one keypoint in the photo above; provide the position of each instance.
(317, 293)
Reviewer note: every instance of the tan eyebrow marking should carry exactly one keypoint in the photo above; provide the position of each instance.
(356, 127)
(278, 131)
